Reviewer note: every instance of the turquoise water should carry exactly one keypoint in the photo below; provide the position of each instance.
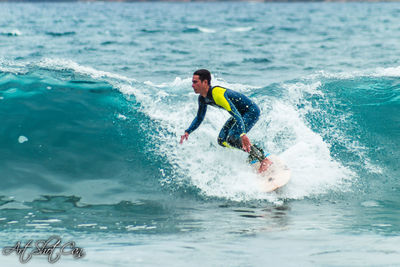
(94, 98)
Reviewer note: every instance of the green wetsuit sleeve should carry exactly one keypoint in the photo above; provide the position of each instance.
(201, 112)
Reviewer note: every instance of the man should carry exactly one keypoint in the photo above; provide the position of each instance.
(245, 114)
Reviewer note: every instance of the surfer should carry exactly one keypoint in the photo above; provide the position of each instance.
(245, 114)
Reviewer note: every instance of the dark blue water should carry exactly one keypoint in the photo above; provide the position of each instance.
(94, 98)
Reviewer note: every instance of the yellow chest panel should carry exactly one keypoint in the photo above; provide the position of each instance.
(219, 98)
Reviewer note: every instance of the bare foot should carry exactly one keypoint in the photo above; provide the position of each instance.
(265, 163)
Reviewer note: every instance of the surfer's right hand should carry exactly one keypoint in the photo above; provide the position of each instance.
(246, 144)
(184, 137)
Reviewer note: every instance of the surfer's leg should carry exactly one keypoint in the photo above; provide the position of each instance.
(250, 119)
(223, 134)
(256, 154)
(229, 135)
(235, 141)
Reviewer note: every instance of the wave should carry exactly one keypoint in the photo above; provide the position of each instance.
(317, 125)
(75, 128)
(68, 133)
(280, 130)
(354, 114)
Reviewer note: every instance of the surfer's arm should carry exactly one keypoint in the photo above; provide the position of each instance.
(201, 112)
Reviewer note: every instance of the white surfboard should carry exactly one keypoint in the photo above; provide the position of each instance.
(276, 176)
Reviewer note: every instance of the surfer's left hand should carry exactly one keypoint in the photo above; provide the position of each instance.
(246, 145)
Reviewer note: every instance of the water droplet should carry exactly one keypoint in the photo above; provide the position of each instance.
(22, 139)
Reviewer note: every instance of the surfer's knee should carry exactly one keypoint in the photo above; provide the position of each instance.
(231, 141)
(235, 141)
(222, 142)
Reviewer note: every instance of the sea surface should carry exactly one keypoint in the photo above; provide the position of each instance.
(94, 98)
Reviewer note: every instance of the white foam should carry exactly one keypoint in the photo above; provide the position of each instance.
(242, 29)
(282, 129)
(370, 204)
(87, 225)
(47, 221)
(65, 64)
(12, 67)
(234, 86)
(178, 82)
(122, 117)
(139, 227)
(297, 91)
(206, 30)
(14, 32)
(335, 75)
(388, 72)
(22, 139)
(220, 172)
(307, 155)
(377, 72)
(216, 171)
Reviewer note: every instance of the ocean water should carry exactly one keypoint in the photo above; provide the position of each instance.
(94, 98)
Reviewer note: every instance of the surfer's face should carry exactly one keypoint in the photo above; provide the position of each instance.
(199, 86)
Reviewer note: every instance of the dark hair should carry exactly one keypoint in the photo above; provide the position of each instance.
(203, 75)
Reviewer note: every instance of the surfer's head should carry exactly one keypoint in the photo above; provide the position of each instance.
(201, 82)
(203, 75)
